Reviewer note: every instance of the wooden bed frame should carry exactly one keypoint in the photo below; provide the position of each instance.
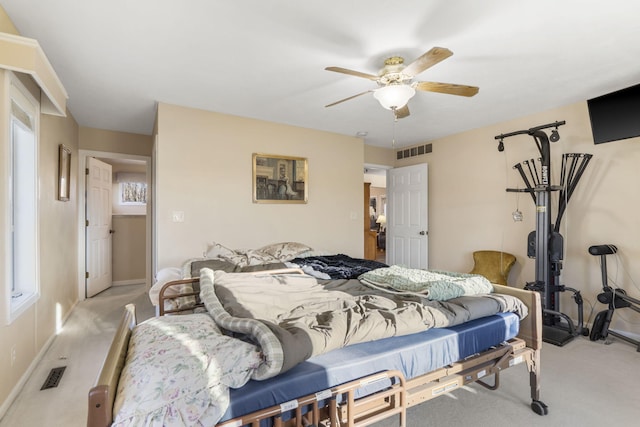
(338, 406)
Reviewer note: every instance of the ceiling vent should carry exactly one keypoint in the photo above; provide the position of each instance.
(413, 151)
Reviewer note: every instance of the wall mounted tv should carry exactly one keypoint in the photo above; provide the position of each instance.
(616, 115)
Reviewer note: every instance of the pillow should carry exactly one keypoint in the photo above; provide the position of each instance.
(258, 257)
(285, 251)
(214, 264)
(178, 370)
(216, 250)
(164, 276)
(243, 258)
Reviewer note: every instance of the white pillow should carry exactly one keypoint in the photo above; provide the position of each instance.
(285, 251)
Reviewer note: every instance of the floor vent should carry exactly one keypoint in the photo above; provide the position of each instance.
(414, 151)
(54, 378)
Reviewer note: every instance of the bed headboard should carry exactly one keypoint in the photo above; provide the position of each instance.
(102, 395)
(530, 326)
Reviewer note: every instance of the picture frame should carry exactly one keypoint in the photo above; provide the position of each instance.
(64, 173)
(280, 179)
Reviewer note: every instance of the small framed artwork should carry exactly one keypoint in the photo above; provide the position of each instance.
(133, 193)
(64, 173)
(279, 179)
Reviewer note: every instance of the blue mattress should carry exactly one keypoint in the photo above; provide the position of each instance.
(413, 355)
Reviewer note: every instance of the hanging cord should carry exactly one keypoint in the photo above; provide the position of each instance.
(393, 131)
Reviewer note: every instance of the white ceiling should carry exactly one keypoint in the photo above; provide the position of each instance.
(265, 59)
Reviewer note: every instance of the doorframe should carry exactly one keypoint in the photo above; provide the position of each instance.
(82, 191)
(386, 170)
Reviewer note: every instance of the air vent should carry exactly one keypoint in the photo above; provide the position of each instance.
(54, 378)
(414, 151)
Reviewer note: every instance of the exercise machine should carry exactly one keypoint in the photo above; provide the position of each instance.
(546, 244)
(614, 298)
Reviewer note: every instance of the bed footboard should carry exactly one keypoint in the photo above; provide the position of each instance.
(102, 395)
(531, 333)
(530, 326)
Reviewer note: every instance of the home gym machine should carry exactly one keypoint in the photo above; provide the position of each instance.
(546, 244)
(614, 298)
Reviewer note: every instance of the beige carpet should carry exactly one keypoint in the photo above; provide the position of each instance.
(584, 383)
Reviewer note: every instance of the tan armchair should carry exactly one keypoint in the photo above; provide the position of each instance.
(494, 265)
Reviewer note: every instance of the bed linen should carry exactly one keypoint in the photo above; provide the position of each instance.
(178, 372)
(432, 284)
(293, 318)
(338, 266)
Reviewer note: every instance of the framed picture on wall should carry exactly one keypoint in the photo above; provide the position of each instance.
(279, 179)
(64, 172)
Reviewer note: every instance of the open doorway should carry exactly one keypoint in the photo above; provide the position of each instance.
(377, 176)
(130, 219)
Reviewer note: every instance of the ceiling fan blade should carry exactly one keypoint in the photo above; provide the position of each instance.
(401, 113)
(346, 99)
(448, 88)
(352, 73)
(429, 59)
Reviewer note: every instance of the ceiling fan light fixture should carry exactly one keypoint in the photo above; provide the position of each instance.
(393, 97)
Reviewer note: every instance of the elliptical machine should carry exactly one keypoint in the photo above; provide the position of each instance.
(615, 298)
(546, 244)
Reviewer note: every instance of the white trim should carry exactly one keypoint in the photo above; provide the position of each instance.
(19, 94)
(82, 165)
(129, 282)
(29, 58)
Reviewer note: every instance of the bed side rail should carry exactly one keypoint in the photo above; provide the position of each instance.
(530, 326)
(337, 406)
(189, 290)
(102, 395)
(174, 291)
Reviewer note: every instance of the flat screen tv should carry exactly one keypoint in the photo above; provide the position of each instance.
(616, 115)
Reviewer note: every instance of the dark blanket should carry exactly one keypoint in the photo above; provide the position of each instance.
(339, 266)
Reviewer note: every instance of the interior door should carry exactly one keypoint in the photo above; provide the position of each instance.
(407, 219)
(98, 227)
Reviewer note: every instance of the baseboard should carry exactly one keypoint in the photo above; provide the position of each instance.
(129, 282)
(32, 367)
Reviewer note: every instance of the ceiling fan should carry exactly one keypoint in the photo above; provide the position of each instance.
(396, 85)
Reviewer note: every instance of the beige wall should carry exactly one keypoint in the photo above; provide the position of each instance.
(129, 249)
(115, 142)
(469, 208)
(6, 26)
(379, 156)
(203, 167)
(34, 328)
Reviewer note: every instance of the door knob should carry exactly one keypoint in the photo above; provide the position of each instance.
(423, 233)
(112, 231)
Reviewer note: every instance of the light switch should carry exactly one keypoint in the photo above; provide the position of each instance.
(178, 216)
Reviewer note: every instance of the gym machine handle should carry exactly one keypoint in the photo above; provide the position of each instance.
(531, 131)
(603, 250)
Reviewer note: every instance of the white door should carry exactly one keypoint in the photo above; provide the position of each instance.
(407, 217)
(98, 232)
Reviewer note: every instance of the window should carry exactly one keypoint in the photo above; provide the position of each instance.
(23, 268)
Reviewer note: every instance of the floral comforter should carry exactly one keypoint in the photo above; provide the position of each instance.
(178, 372)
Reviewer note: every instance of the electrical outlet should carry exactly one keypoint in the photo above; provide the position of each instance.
(13, 355)
(177, 216)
